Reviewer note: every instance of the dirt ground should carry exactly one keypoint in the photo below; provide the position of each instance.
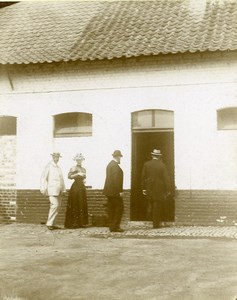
(41, 265)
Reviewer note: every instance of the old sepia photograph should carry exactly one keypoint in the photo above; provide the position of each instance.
(118, 150)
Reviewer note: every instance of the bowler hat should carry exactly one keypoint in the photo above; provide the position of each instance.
(156, 152)
(117, 153)
(56, 154)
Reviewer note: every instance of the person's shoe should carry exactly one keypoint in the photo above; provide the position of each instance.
(50, 227)
(166, 225)
(117, 230)
(75, 226)
(56, 227)
(157, 226)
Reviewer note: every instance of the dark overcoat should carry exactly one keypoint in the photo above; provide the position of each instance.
(114, 180)
(155, 179)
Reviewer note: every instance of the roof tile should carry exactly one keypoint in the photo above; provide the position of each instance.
(49, 31)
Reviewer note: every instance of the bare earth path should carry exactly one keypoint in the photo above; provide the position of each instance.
(41, 265)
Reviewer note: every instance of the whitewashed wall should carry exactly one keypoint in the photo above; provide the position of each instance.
(194, 87)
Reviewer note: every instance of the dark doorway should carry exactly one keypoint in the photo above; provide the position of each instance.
(142, 145)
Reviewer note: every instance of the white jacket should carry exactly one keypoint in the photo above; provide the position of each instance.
(52, 183)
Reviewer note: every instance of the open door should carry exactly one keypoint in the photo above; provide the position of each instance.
(144, 140)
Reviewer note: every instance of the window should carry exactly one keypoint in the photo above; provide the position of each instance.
(227, 118)
(153, 119)
(7, 125)
(73, 124)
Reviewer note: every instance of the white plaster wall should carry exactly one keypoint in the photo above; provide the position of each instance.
(205, 158)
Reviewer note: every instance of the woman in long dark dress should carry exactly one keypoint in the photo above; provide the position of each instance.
(77, 213)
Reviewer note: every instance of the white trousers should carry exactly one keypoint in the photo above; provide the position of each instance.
(55, 203)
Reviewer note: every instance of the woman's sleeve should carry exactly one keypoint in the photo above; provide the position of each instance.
(84, 172)
(72, 171)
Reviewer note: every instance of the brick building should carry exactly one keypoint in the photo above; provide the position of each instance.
(92, 77)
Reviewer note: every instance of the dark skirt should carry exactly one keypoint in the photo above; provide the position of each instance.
(77, 212)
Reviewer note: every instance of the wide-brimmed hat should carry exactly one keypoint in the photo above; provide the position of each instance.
(79, 156)
(57, 154)
(117, 153)
(156, 152)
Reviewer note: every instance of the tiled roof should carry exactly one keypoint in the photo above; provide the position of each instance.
(46, 31)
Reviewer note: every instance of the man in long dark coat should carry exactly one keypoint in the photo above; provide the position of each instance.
(156, 185)
(113, 189)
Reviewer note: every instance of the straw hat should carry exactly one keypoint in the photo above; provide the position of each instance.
(56, 154)
(156, 152)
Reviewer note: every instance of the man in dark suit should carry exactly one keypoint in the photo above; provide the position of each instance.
(113, 189)
(156, 185)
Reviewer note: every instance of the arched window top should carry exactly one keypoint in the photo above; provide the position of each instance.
(227, 118)
(153, 119)
(73, 124)
(7, 125)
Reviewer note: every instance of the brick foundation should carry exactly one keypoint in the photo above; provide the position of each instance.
(206, 207)
(7, 205)
(32, 207)
(8, 194)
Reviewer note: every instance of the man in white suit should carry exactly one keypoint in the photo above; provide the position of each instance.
(52, 185)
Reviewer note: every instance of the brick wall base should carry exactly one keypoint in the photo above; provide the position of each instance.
(32, 207)
(8, 198)
(210, 208)
(196, 207)
(8, 193)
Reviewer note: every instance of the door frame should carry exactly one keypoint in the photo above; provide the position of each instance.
(133, 208)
